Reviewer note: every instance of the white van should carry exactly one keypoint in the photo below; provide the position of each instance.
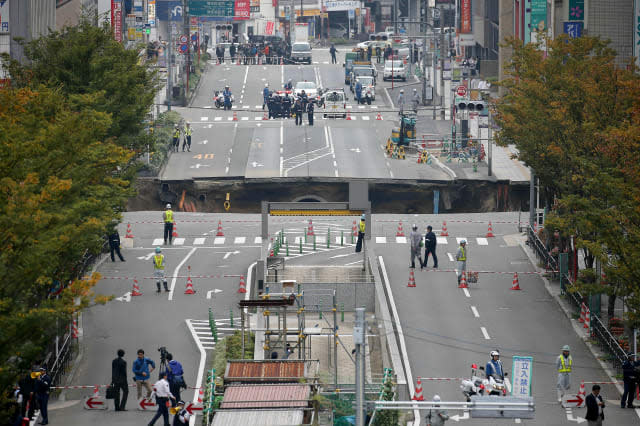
(335, 103)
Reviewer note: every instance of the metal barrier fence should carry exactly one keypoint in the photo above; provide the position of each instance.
(62, 362)
(239, 59)
(606, 341)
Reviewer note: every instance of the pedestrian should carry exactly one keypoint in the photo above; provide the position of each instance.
(175, 376)
(142, 369)
(630, 378)
(430, 242)
(176, 138)
(232, 52)
(27, 390)
(310, 108)
(415, 238)
(43, 386)
(595, 407)
(114, 245)
(163, 394)
(378, 54)
(119, 381)
(461, 258)
(369, 52)
(297, 110)
(437, 416)
(167, 217)
(187, 137)
(158, 269)
(358, 89)
(415, 101)
(15, 406)
(182, 415)
(563, 365)
(265, 95)
(361, 229)
(333, 51)
(400, 101)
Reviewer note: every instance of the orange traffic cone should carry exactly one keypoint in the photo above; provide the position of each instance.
(490, 231)
(378, 117)
(444, 232)
(135, 291)
(265, 116)
(175, 230)
(417, 396)
(463, 280)
(200, 397)
(412, 279)
(189, 289)
(241, 285)
(235, 116)
(74, 329)
(516, 284)
(310, 229)
(400, 231)
(271, 245)
(129, 233)
(354, 229)
(587, 319)
(583, 310)
(348, 115)
(219, 233)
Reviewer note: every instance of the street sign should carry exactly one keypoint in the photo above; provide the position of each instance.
(183, 39)
(212, 8)
(194, 37)
(461, 91)
(145, 404)
(95, 402)
(572, 401)
(183, 48)
(522, 372)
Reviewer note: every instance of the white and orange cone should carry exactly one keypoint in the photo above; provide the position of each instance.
(490, 231)
(444, 232)
(418, 396)
(412, 279)
(515, 285)
(400, 231)
(241, 286)
(135, 291)
(219, 232)
(463, 280)
(189, 289)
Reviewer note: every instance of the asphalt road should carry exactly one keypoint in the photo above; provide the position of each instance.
(252, 147)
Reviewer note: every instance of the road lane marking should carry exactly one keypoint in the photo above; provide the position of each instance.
(466, 292)
(229, 253)
(239, 240)
(257, 240)
(198, 241)
(485, 334)
(178, 241)
(365, 117)
(204, 118)
(475, 312)
(482, 241)
(177, 270)
(401, 240)
(381, 240)
(442, 240)
(245, 118)
(157, 242)
(218, 240)
(217, 119)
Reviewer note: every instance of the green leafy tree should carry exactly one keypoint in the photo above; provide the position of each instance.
(61, 188)
(85, 59)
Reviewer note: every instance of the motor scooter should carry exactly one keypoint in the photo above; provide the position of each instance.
(475, 385)
(218, 99)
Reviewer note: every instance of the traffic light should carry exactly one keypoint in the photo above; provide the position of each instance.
(472, 106)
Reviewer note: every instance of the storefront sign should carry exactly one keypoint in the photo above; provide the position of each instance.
(116, 19)
(465, 16)
(340, 5)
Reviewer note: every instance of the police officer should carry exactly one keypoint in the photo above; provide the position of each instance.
(176, 138)
(297, 110)
(43, 385)
(265, 95)
(182, 415)
(361, 231)
(167, 217)
(114, 245)
(563, 365)
(629, 377)
(461, 258)
(187, 138)
(310, 113)
(158, 269)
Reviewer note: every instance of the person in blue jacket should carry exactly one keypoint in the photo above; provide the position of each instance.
(494, 367)
(142, 369)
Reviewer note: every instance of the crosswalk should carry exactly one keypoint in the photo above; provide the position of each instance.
(441, 240)
(201, 331)
(201, 241)
(205, 120)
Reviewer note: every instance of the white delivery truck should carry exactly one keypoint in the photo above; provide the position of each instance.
(301, 33)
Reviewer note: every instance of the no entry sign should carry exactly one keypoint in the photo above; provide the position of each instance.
(461, 91)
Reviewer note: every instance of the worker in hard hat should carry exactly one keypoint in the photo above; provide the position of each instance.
(564, 364)
(437, 416)
(158, 269)
(461, 258)
(167, 217)
(415, 238)
(361, 230)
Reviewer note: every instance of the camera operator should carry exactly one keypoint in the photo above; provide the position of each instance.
(175, 377)
(142, 373)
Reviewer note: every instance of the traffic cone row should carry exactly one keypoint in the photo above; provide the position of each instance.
(444, 232)
(515, 285)
(310, 228)
(400, 231)
(219, 232)
(412, 279)
(200, 397)
(189, 289)
(175, 230)
(129, 233)
(242, 288)
(587, 319)
(135, 291)
(348, 115)
(582, 392)
(463, 280)
(490, 231)
(378, 117)
(417, 395)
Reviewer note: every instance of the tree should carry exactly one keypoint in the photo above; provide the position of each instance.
(85, 59)
(61, 188)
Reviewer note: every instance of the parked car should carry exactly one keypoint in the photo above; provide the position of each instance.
(358, 71)
(335, 103)
(394, 70)
(310, 89)
(301, 52)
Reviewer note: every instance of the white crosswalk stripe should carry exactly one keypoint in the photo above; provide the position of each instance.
(157, 242)
(257, 240)
(217, 119)
(442, 240)
(381, 240)
(199, 241)
(178, 241)
(218, 240)
(458, 239)
(365, 117)
(401, 240)
(239, 240)
(482, 241)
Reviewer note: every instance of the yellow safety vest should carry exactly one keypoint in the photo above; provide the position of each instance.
(187, 131)
(565, 368)
(362, 226)
(176, 134)
(463, 258)
(158, 261)
(169, 216)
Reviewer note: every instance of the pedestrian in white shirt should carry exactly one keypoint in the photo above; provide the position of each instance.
(162, 393)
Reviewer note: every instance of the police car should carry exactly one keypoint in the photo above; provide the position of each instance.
(335, 103)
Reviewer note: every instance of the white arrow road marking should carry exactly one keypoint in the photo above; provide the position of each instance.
(229, 253)
(570, 417)
(125, 297)
(214, 291)
(457, 418)
(147, 257)
(256, 164)
(204, 142)
(342, 255)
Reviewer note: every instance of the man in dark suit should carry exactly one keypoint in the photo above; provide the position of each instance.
(595, 407)
(119, 381)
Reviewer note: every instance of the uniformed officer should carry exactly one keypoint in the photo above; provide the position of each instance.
(361, 230)
(310, 113)
(182, 415)
(43, 385)
(563, 365)
(167, 217)
(461, 257)
(187, 137)
(176, 138)
(158, 269)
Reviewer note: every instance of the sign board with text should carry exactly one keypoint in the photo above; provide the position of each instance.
(211, 8)
(4, 16)
(636, 31)
(522, 373)
(116, 19)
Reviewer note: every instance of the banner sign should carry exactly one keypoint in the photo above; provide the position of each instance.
(340, 5)
(214, 8)
(538, 15)
(522, 373)
(116, 19)
(269, 28)
(574, 29)
(636, 30)
(151, 12)
(576, 10)
(465, 16)
(242, 10)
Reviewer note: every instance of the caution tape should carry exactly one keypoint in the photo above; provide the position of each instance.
(169, 276)
(98, 386)
(493, 272)
(463, 221)
(604, 383)
(442, 379)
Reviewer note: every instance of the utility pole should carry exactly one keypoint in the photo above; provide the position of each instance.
(396, 5)
(489, 146)
(185, 8)
(169, 53)
(532, 199)
(359, 332)
(442, 50)
(424, 53)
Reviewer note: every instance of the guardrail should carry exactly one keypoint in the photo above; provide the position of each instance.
(605, 340)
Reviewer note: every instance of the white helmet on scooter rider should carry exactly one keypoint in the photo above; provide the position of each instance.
(494, 353)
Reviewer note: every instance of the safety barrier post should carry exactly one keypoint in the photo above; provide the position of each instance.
(341, 238)
(342, 312)
(212, 325)
(305, 237)
(319, 312)
(287, 248)
(314, 242)
(231, 318)
(328, 237)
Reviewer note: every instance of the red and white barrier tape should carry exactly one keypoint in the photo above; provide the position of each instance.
(98, 386)
(171, 276)
(442, 379)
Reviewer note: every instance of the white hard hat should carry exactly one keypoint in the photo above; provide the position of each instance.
(414, 226)
(168, 206)
(463, 241)
(401, 90)
(495, 353)
(266, 85)
(436, 398)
